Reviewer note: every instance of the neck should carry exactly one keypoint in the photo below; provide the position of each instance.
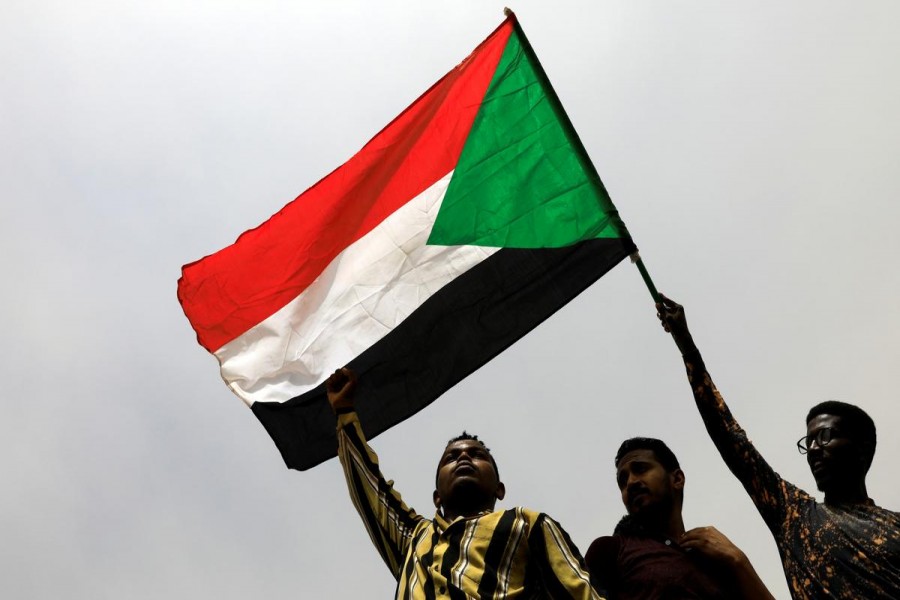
(669, 525)
(848, 493)
(674, 528)
(452, 511)
(451, 515)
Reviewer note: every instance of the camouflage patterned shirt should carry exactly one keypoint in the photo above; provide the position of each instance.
(828, 551)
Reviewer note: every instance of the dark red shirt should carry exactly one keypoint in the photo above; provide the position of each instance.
(641, 568)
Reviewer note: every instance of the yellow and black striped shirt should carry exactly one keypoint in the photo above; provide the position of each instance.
(515, 553)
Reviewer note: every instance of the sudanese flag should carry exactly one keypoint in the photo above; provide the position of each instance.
(462, 225)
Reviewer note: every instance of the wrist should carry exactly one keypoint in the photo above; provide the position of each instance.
(686, 345)
(341, 406)
(738, 560)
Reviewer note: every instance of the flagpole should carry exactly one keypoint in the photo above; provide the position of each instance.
(636, 259)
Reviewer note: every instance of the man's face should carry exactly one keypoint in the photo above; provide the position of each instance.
(835, 462)
(645, 484)
(467, 465)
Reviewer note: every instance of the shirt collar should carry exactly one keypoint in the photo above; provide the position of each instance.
(442, 523)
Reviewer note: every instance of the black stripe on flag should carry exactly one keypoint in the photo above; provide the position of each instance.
(456, 331)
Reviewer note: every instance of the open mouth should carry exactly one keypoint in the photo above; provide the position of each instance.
(464, 468)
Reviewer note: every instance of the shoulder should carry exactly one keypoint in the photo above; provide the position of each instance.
(538, 523)
(793, 500)
(602, 559)
(529, 513)
(884, 513)
(533, 517)
(604, 549)
(866, 513)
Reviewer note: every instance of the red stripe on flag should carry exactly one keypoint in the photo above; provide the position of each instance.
(227, 293)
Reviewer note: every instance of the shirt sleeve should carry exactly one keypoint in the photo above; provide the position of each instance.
(602, 559)
(769, 492)
(559, 563)
(388, 520)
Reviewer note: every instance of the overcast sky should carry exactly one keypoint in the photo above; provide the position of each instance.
(752, 149)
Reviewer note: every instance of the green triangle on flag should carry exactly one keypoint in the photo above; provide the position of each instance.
(523, 179)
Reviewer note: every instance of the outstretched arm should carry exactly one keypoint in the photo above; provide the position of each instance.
(389, 521)
(766, 488)
(713, 544)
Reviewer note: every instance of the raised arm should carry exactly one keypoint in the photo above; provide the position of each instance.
(559, 562)
(766, 488)
(713, 544)
(388, 520)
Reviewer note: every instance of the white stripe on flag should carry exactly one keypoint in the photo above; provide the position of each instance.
(367, 290)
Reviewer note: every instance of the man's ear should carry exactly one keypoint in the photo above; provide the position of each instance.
(678, 479)
(436, 499)
(501, 490)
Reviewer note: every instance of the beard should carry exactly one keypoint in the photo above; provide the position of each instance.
(649, 521)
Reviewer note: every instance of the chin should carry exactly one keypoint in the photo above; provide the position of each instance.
(823, 484)
(640, 509)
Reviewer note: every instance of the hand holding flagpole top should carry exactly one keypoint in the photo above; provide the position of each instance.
(671, 316)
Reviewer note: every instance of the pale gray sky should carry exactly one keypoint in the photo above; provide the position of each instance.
(752, 149)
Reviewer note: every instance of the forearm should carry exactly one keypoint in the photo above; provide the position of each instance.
(734, 565)
(747, 580)
(725, 432)
(767, 490)
(715, 413)
(762, 483)
(717, 417)
(729, 438)
(388, 520)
